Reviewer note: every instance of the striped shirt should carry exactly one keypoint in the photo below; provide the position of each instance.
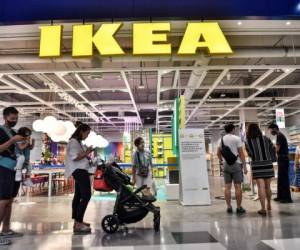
(262, 153)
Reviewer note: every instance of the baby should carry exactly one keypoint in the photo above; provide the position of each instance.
(23, 156)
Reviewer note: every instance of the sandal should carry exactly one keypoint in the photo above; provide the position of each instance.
(262, 212)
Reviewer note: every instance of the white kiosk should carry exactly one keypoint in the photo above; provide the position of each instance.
(194, 186)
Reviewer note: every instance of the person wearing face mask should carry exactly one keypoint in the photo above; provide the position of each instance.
(8, 186)
(77, 165)
(282, 150)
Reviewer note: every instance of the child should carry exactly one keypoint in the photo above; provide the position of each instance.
(23, 156)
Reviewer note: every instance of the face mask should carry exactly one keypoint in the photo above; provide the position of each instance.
(11, 124)
(273, 133)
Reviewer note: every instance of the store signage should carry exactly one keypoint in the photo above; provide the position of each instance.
(280, 118)
(148, 39)
(194, 186)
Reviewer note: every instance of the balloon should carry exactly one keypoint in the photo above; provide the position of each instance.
(38, 126)
(50, 123)
(59, 129)
(70, 127)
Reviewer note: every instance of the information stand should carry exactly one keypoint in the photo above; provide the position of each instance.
(194, 186)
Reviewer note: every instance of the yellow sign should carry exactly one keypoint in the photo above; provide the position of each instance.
(148, 39)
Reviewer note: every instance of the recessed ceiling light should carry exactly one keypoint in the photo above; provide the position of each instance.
(223, 95)
(239, 23)
(288, 23)
(287, 70)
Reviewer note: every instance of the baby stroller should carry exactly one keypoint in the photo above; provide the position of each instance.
(130, 206)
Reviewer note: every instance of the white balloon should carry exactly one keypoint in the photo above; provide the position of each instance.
(56, 138)
(59, 129)
(38, 126)
(50, 123)
(70, 127)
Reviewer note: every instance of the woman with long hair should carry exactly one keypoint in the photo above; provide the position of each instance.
(77, 165)
(262, 153)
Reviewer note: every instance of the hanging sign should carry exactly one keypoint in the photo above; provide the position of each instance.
(280, 118)
(148, 39)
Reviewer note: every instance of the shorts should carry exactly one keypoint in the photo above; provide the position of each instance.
(233, 173)
(9, 188)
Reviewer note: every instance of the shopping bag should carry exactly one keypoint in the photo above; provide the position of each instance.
(99, 182)
(246, 183)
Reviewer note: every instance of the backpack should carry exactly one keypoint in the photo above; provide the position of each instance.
(143, 171)
(227, 154)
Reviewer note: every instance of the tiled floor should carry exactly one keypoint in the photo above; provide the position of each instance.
(47, 225)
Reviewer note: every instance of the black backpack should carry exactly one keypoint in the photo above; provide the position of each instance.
(227, 154)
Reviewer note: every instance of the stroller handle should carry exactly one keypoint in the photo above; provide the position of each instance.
(140, 189)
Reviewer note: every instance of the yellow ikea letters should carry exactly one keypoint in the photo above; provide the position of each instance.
(204, 35)
(148, 39)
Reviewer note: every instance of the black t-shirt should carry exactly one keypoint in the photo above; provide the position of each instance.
(4, 138)
(282, 141)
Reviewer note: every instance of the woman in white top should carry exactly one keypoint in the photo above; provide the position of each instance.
(77, 165)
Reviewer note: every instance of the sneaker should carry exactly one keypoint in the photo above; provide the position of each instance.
(229, 210)
(28, 183)
(18, 175)
(240, 210)
(80, 228)
(11, 234)
(4, 241)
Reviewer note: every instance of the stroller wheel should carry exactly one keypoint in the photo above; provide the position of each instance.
(156, 222)
(110, 224)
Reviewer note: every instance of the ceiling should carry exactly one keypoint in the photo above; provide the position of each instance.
(262, 74)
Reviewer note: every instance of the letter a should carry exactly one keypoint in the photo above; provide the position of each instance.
(204, 35)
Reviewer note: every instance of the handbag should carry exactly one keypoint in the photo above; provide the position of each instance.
(99, 182)
(143, 171)
(227, 154)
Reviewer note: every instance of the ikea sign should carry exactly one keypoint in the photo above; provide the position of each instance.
(148, 39)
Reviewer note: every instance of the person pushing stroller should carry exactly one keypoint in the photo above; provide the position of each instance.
(142, 167)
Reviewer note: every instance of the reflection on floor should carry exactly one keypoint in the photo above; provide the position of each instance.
(47, 225)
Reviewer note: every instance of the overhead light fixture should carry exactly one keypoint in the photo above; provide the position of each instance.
(298, 7)
(239, 23)
(148, 117)
(223, 95)
(287, 70)
(141, 86)
(288, 23)
(166, 71)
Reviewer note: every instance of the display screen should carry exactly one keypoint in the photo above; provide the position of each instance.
(37, 10)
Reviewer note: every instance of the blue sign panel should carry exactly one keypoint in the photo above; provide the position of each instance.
(12, 11)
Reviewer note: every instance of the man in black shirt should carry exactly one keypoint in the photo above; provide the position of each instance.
(8, 186)
(283, 184)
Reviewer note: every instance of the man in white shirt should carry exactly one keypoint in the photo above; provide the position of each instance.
(233, 172)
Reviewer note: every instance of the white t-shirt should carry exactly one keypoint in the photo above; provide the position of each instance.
(233, 142)
(74, 148)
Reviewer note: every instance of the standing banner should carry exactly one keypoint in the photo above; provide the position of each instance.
(280, 118)
(194, 186)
